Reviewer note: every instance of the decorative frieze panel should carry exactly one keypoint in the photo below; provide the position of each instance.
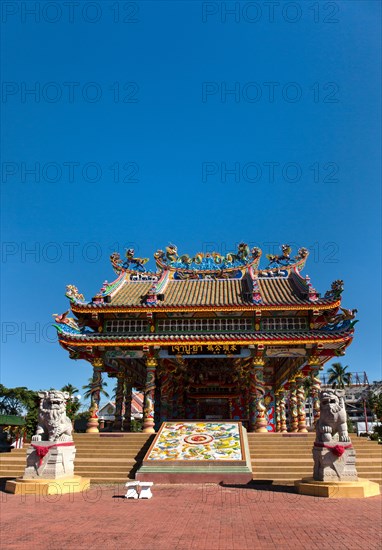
(284, 323)
(127, 325)
(205, 325)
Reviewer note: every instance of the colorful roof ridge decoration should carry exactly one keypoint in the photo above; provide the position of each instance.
(284, 259)
(157, 288)
(214, 264)
(209, 262)
(108, 288)
(279, 263)
(130, 264)
(304, 285)
(207, 280)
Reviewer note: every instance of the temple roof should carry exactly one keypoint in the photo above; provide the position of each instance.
(207, 283)
(236, 292)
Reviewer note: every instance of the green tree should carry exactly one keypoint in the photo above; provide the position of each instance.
(11, 400)
(350, 426)
(307, 384)
(136, 425)
(20, 401)
(338, 377)
(80, 421)
(32, 405)
(374, 401)
(73, 404)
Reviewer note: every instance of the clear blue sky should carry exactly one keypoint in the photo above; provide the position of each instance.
(147, 90)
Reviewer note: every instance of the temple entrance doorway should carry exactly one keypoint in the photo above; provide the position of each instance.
(214, 409)
(216, 388)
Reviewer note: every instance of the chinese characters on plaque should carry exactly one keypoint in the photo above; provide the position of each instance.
(210, 349)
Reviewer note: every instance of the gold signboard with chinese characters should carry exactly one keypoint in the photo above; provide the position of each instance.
(210, 349)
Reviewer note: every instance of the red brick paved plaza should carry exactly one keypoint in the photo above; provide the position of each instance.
(190, 517)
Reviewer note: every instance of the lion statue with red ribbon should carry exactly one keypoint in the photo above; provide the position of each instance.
(333, 418)
(53, 423)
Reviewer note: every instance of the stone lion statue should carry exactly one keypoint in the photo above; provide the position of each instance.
(333, 418)
(53, 423)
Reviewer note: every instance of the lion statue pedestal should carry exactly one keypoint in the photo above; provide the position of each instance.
(334, 462)
(50, 457)
(334, 473)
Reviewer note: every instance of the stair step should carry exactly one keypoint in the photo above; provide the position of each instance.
(108, 471)
(274, 457)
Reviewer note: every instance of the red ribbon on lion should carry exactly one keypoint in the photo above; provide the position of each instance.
(337, 450)
(43, 450)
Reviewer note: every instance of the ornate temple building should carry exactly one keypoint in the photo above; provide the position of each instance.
(210, 337)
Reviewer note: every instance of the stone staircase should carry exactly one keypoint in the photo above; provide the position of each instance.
(104, 458)
(282, 459)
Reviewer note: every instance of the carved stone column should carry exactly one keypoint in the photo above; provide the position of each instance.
(149, 400)
(180, 383)
(283, 423)
(293, 413)
(277, 412)
(117, 424)
(252, 400)
(257, 409)
(92, 425)
(128, 399)
(166, 391)
(300, 394)
(316, 387)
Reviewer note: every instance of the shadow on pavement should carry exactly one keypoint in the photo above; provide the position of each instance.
(261, 485)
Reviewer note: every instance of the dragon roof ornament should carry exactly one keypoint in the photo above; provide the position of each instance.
(336, 290)
(207, 262)
(210, 264)
(68, 325)
(130, 264)
(74, 295)
(284, 259)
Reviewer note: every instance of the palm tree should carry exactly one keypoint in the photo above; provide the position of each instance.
(90, 388)
(70, 389)
(73, 404)
(338, 376)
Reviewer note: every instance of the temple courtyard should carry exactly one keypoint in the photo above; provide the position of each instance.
(197, 516)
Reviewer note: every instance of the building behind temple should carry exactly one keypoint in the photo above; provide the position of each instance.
(106, 413)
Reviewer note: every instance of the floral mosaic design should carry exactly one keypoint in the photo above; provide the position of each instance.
(198, 441)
